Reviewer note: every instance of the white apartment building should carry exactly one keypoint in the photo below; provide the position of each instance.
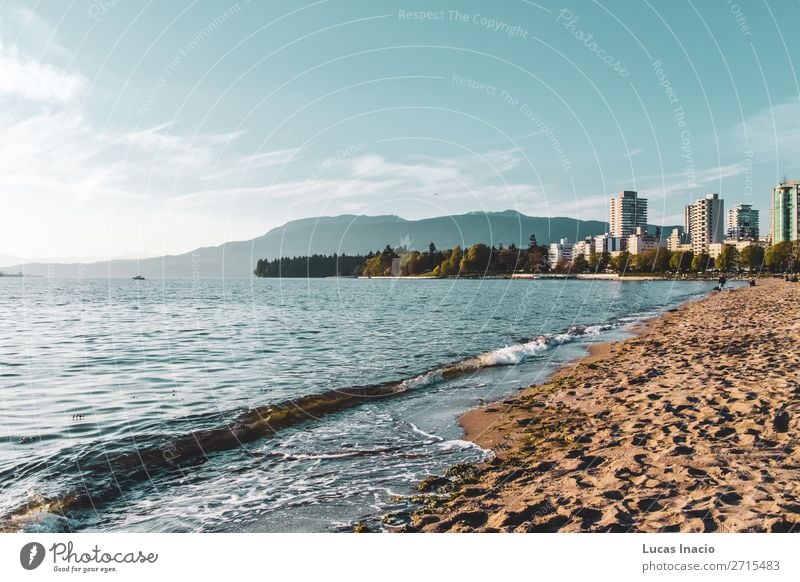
(560, 251)
(641, 241)
(705, 222)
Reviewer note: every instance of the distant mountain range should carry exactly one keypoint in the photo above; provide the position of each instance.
(348, 234)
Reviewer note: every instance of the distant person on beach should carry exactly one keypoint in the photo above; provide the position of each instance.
(722, 281)
(752, 282)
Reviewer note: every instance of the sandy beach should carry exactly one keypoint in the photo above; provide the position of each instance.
(690, 426)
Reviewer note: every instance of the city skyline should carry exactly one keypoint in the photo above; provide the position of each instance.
(232, 120)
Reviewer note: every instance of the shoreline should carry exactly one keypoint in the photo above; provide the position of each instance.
(689, 425)
(476, 425)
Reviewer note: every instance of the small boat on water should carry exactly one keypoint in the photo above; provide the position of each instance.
(138, 278)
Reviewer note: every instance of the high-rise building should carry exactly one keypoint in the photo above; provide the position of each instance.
(785, 211)
(743, 222)
(705, 222)
(626, 211)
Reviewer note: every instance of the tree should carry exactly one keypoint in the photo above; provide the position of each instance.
(563, 266)
(413, 264)
(752, 257)
(476, 259)
(779, 255)
(580, 264)
(451, 264)
(311, 266)
(599, 261)
(701, 262)
(653, 260)
(537, 258)
(388, 253)
(620, 263)
(726, 261)
(681, 261)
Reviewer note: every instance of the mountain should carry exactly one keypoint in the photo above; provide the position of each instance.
(338, 234)
(9, 260)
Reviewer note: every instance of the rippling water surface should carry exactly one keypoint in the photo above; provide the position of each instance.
(125, 403)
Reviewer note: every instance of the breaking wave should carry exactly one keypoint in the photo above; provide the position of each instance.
(104, 476)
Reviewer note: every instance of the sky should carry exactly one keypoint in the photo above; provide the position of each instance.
(133, 129)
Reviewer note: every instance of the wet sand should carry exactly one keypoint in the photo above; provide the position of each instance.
(690, 426)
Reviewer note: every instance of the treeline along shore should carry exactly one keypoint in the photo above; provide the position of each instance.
(490, 261)
(690, 426)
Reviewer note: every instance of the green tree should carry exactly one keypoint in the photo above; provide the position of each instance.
(622, 262)
(653, 260)
(681, 261)
(580, 264)
(752, 257)
(599, 261)
(701, 262)
(726, 261)
(779, 255)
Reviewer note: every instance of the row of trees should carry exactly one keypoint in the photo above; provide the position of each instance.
(483, 259)
(779, 257)
(662, 261)
(313, 266)
(477, 259)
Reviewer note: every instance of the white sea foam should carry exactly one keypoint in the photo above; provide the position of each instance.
(425, 379)
(419, 431)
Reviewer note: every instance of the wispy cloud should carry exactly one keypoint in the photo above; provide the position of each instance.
(633, 153)
(25, 72)
(372, 183)
(773, 132)
(32, 80)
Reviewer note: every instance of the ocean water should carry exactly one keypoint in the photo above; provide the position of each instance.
(264, 404)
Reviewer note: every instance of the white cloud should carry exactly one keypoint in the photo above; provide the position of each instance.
(35, 81)
(371, 183)
(30, 78)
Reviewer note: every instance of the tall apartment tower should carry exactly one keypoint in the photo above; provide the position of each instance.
(626, 211)
(705, 222)
(743, 222)
(785, 211)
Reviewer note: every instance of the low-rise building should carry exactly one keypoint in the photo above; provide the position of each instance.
(605, 243)
(641, 241)
(715, 249)
(583, 247)
(560, 251)
(678, 241)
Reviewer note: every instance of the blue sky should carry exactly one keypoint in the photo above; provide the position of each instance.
(137, 129)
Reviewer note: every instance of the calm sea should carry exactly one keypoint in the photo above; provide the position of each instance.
(129, 405)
